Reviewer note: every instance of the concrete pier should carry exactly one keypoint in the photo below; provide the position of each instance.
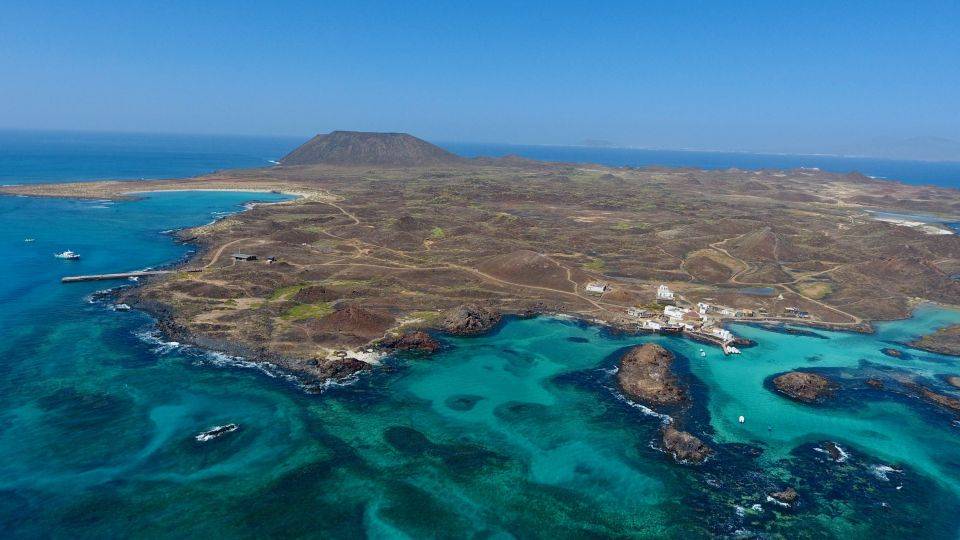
(121, 275)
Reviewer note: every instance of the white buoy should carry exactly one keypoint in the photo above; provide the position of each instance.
(741, 419)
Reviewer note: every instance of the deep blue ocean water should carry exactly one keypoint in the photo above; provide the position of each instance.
(939, 173)
(28, 157)
(39, 156)
(520, 433)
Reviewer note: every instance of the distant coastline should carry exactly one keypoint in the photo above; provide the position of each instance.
(916, 172)
(86, 156)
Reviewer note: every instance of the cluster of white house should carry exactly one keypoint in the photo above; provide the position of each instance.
(697, 322)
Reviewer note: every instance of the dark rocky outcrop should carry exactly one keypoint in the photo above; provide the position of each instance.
(645, 375)
(803, 386)
(875, 383)
(943, 341)
(312, 294)
(418, 341)
(833, 450)
(338, 368)
(348, 148)
(947, 402)
(469, 320)
(890, 351)
(787, 496)
(684, 446)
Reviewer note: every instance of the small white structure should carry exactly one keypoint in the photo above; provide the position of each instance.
(722, 333)
(596, 287)
(664, 293)
(674, 313)
(651, 325)
(704, 308)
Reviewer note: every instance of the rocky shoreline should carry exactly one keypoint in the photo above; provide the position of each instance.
(804, 386)
(645, 375)
(944, 341)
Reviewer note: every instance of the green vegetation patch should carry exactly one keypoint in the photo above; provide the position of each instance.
(596, 265)
(308, 311)
(286, 292)
(815, 290)
(630, 226)
(437, 233)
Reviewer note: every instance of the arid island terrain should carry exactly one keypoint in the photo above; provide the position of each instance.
(389, 236)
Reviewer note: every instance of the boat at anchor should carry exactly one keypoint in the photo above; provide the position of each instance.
(215, 432)
(69, 255)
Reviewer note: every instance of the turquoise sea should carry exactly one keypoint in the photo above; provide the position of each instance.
(28, 157)
(519, 433)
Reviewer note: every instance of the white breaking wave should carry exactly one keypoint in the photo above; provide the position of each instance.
(843, 453)
(881, 471)
(154, 337)
(779, 503)
(664, 418)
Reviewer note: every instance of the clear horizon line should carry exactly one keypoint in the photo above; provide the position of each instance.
(440, 142)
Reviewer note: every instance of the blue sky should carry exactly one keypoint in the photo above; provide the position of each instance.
(769, 76)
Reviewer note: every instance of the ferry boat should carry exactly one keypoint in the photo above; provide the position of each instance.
(69, 255)
(121, 307)
(217, 431)
(28, 239)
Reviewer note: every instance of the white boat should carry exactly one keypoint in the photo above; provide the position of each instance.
(703, 352)
(69, 255)
(217, 431)
(28, 239)
(121, 307)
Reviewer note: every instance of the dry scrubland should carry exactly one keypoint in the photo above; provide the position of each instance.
(370, 249)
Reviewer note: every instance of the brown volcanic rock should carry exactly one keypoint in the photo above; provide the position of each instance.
(365, 148)
(525, 266)
(469, 319)
(645, 375)
(315, 293)
(942, 400)
(943, 341)
(355, 321)
(954, 381)
(684, 446)
(338, 368)
(413, 341)
(803, 386)
(787, 496)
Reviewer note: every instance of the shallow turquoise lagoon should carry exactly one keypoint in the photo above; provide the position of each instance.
(520, 433)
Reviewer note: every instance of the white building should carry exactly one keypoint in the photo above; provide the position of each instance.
(597, 287)
(674, 313)
(664, 293)
(704, 308)
(651, 325)
(722, 333)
